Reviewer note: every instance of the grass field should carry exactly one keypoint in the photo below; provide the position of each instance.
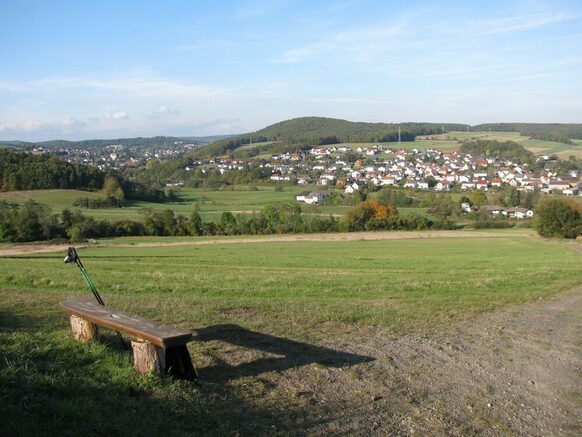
(563, 151)
(407, 279)
(302, 292)
(211, 203)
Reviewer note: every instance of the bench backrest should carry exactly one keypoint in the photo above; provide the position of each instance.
(156, 333)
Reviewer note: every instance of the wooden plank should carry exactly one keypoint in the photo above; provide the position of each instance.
(156, 333)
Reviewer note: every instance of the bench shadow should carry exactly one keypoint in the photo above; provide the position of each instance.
(282, 353)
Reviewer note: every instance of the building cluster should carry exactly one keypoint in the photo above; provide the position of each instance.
(116, 156)
(425, 170)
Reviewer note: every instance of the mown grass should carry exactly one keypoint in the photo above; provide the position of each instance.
(398, 284)
(303, 291)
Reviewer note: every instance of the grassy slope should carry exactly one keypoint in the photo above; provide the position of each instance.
(303, 291)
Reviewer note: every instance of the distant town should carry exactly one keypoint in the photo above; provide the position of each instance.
(351, 168)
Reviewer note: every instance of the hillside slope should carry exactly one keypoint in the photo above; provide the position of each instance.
(314, 131)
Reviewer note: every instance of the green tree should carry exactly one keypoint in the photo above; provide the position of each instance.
(559, 218)
(195, 224)
(77, 234)
(112, 188)
(478, 198)
(227, 224)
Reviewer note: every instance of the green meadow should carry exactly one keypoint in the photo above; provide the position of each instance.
(287, 296)
(402, 284)
(211, 204)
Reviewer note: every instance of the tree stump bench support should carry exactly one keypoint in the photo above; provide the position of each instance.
(156, 347)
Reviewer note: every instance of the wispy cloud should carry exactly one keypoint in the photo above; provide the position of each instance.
(523, 22)
(139, 86)
(356, 43)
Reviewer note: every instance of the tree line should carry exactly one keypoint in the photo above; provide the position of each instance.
(33, 221)
(559, 132)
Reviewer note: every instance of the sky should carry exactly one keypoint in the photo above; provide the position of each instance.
(109, 69)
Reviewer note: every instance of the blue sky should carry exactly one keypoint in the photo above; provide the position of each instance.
(106, 69)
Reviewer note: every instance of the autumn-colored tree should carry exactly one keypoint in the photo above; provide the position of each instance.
(370, 214)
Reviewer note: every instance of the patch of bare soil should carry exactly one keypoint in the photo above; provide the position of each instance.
(515, 371)
(23, 249)
(346, 236)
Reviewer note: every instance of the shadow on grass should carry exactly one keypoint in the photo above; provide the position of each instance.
(288, 353)
(52, 385)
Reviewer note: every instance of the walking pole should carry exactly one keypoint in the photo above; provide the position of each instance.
(73, 257)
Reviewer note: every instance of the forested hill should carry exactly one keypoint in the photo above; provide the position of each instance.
(314, 131)
(559, 132)
(26, 171)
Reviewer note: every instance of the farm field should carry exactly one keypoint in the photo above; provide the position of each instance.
(451, 141)
(563, 151)
(281, 328)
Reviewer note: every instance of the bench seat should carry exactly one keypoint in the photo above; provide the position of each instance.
(157, 347)
(161, 335)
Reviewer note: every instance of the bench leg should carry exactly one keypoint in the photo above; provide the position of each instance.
(83, 330)
(179, 363)
(148, 357)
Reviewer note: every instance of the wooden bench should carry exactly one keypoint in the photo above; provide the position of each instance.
(156, 347)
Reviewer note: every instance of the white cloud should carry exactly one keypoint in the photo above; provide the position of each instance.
(66, 125)
(162, 112)
(119, 115)
(165, 110)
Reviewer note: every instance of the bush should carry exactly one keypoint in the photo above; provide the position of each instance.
(493, 224)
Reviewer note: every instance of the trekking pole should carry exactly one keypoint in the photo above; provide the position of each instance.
(73, 257)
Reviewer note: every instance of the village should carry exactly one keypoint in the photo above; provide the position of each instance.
(379, 166)
(352, 168)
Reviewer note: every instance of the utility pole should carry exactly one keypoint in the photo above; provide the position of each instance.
(399, 136)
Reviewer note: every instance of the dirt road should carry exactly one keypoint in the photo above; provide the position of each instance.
(512, 372)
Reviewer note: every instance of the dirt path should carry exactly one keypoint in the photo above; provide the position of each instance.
(512, 372)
